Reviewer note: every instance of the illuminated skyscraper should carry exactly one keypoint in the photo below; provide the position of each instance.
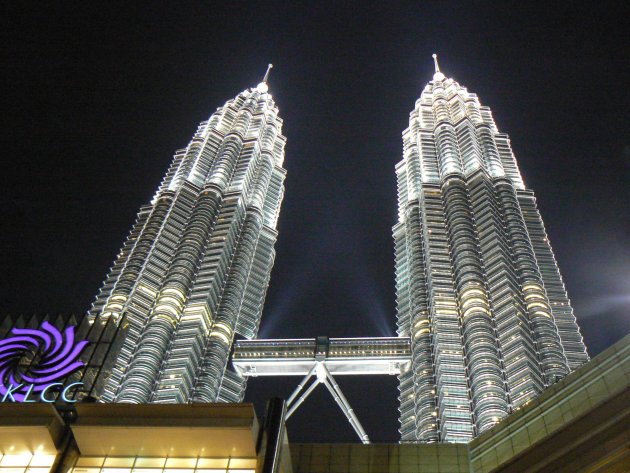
(194, 271)
(478, 288)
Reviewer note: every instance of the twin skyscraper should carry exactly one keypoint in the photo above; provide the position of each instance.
(195, 268)
(478, 290)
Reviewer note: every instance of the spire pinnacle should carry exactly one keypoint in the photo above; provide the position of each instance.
(263, 87)
(269, 67)
(438, 76)
(435, 61)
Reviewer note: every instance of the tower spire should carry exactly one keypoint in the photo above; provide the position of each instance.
(263, 87)
(435, 61)
(269, 67)
(438, 76)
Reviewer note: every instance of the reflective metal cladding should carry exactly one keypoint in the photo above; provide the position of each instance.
(194, 271)
(478, 289)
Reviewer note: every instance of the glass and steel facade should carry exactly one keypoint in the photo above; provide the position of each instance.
(194, 271)
(478, 289)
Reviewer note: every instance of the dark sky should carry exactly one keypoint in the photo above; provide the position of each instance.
(98, 96)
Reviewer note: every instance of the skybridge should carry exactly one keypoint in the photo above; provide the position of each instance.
(318, 359)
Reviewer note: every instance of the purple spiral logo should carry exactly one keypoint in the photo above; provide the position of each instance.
(53, 356)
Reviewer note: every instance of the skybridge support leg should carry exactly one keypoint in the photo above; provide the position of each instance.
(301, 385)
(324, 377)
(335, 390)
(302, 398)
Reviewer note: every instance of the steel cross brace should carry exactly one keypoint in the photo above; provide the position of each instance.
(323, 376)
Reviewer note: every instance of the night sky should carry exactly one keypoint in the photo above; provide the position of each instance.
(99, 95)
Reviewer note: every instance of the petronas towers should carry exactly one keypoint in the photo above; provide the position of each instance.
(477, 286)
(194, 270)
(478, 290)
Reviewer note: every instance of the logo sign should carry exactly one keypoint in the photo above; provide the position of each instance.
(54, 355)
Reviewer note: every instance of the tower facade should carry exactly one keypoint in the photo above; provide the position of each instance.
(194, 271)
(477, 286)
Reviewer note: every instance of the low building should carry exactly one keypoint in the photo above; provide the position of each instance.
(119, 438)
